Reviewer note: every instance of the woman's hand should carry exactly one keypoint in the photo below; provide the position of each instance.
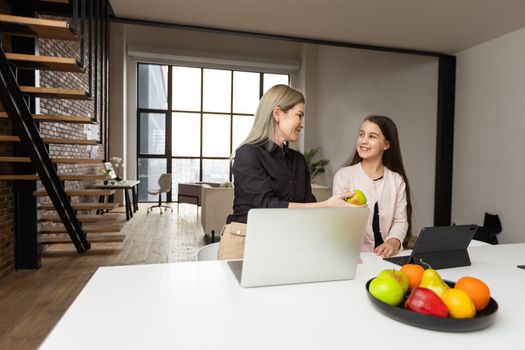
(389, 248)
(339, 201)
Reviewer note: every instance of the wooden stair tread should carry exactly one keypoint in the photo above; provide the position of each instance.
(62, 64)
(77, 160)
(33, 177)
(57, 140)
(82, 206)
(52, 92)
(57, 1)
(19, 177)
(92, 238)
(69, 141)
(81, 177)
(39, 27)
(84, 192)
(81, 119)
(86, 228)
(83, 218)
(54, 160)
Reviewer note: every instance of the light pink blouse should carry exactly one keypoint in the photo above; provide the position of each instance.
(390, 194)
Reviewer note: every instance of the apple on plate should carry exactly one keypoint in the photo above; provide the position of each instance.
(358, 198)
(399, 276)
(388, 290)
(389, 286)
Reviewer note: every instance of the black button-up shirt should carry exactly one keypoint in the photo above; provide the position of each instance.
(267, 176)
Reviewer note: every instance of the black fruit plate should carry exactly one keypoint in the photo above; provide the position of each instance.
(483, 318)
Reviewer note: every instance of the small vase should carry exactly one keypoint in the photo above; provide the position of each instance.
(105, 182)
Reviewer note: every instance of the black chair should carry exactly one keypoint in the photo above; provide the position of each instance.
(491, 227)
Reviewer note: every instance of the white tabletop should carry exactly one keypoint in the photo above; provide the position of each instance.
(200, 305)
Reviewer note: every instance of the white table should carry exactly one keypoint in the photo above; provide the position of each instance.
(170, 306)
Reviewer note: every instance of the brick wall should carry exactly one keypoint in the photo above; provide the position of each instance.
(78, 81)
(69, 107)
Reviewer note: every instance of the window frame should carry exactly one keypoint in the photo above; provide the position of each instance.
(168, 151)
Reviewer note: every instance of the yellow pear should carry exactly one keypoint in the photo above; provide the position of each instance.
(432, 280)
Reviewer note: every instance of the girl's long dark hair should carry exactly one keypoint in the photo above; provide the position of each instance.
(391, 158)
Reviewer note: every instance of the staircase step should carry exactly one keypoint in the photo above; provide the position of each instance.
(33, 177)
(77, 160)
(19, 177)
(37, 27)
(54, 160)
(45, 229)
(62, 64)
(84, 192)
(64, 141)
(51, 92)
(92, 238)
(84, 218)
(82, 206)
(81, 177)
(80, 119)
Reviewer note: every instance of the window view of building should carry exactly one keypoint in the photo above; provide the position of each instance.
(190, 120)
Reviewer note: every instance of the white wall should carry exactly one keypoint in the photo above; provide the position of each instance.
(341, 85)
(489, 134)
(355, 83)
(212, 43)
(117, 102)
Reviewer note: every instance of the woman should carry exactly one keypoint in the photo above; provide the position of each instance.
(377, 170)
(267, 173)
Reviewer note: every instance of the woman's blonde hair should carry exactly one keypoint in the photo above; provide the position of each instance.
(281, 96)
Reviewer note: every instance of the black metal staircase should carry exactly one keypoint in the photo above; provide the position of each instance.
(72, 21)
(24, 126)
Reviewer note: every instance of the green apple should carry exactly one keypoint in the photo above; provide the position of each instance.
(387, 289)
(399, 276)
(358, 198)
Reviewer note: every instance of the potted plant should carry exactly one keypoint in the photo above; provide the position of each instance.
(107, 174)
(315, 167)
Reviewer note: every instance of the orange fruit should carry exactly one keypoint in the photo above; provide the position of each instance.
(476, 289)
(414, 273)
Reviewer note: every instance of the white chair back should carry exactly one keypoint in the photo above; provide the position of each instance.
(208, 252)
(165, 182)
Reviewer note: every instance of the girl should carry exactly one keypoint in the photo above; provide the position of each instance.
(377, 170)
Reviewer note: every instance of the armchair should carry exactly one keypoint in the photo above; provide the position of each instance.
(191, 193)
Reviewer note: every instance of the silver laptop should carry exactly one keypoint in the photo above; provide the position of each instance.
(286, 246)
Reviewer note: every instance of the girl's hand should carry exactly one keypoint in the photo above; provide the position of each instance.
(389, 248)
(339, 201)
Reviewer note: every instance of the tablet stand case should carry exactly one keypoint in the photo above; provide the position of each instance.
(441, 247)
(443, 259)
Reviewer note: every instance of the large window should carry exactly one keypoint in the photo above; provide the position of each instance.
(190, 120)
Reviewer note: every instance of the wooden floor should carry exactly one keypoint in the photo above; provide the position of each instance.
(31, 302)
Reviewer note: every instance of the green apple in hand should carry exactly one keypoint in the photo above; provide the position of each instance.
(358, 198)
(399, 276)
(387, 289)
